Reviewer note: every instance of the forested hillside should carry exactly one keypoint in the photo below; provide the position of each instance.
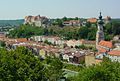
(11, 22)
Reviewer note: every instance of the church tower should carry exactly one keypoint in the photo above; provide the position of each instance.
(100, 33)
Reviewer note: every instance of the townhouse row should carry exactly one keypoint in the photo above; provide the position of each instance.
(59, 41)
(68, 54)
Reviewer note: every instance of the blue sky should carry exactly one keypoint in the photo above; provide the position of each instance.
(17, 9)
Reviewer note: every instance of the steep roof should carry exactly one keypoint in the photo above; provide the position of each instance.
(106, 44)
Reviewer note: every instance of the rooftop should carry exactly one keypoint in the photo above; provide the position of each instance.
(22, 40)
(106, 44)
(102, 50)
(114, 53)
(92, 20)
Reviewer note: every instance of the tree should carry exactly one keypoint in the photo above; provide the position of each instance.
(2, 44)
(92, 33)
(108, 37)
(64, 19)
(53, 69)
(59, 22)
(106, 71)
(26, 31)
(47, 42)
(82, 47)
(116, 28)
(76, 18)
(88, 24)
(51, 32)
(46, 31)
(108, 28)
(83, 32)
(20, 65)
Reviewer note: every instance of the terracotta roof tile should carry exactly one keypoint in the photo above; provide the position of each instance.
(106, 44)
(92, 20)
(102, 50)
(22, 40)
(114, 53)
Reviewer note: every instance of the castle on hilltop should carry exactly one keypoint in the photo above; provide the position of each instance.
(36, 21)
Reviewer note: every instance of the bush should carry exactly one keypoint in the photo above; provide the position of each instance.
(2, 44)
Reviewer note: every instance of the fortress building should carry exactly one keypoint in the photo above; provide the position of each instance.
(36, 20)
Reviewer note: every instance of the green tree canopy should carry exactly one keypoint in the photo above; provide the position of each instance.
(83, 32)
(69, 32)
(26, 31)
(116, 28)
(22, 65)
(106, 71)
(19, 65)
(2, 44)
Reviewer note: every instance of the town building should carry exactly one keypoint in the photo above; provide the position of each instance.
(73, 43)
(88, 43)
(52, 39)
(107, 19)
(92, 20)
(116, 38)
(21, 40)
(103, 48)
(72, 23)
(90, 59)
(2, 36)
(60, 42)
(114, 55)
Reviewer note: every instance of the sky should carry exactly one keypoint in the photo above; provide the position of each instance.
(18, 9)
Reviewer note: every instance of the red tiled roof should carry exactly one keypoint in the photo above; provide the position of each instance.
(106, 44)
(114, 53)
(102, 50)
(92, 20)
(22, 40)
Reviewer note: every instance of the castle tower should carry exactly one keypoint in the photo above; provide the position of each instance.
(100, 33)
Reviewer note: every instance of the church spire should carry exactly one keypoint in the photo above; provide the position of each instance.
(100, 17)
(100, 33)
(100, 21)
